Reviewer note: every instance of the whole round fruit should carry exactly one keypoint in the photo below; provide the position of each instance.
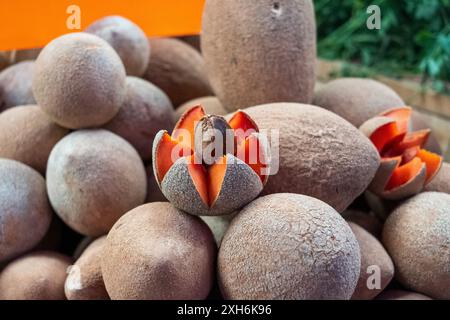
(15, 85)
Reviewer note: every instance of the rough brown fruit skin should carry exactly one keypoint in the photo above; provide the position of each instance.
(419, 123)
(288, 246)
(28, 135)
(129, 41)
(366, 220)
(15, 85)
(357, 100)
(417, 237)
(192, 40)
(169, 255)
(401, 295)
(372, 254)
(320, 154)
(35, 276)
(178, 69)
(145, 111)
(79, 81)
(25, 212)
(441, 182)
(85, 281)
(261, 52)
(211, 105)
(93, 178)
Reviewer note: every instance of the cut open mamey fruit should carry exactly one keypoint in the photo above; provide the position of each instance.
(234, 173)
(406, 168)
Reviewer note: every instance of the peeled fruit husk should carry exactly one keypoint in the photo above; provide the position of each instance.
(234, 173)
(406, 167)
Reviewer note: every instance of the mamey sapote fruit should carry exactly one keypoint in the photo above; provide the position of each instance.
(320, 154)
(441, 182)
(129, 41)
(218, 225)
(260, 52)
(178, 69)
(145, 111)
(169, 255)
(85, 281)
(36, 276)
(418, 122)
(367, 220)
(405, 166)
(25, 212)
(15, 85)
(394, 294)
(377, 268)
(257, 261)
(417, 237)
(93, 178)
(79, 81)
(357, 100)
(211, 105)
(28, 135)
(210, 166)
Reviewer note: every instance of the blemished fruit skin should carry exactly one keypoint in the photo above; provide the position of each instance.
(260, 52)
(25, 213)
(401, 295)
(36, 276)
(320, 154)
(211, 105)
(372, 255)
(15, 85)
(417, 237)
(79, 81)
(168, 253)
(288, 246)
(85, 281)
(441, 182)
(356, 99)
(177, 69)
(145, 111)
(28, 135)
(127, 39)
(93, 178)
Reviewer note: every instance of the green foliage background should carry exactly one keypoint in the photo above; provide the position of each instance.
(414, 37)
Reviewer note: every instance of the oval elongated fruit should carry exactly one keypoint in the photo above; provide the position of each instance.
(25, 212)
(168, 254)
(93, 178)
(288, 246)
(405, 166)
(15, 85)
(79, 81)
(28, 135)
(316, 152)
(260, 52)
(417, 237)
(209, 166)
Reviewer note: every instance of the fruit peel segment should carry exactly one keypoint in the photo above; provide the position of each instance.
(185, 127)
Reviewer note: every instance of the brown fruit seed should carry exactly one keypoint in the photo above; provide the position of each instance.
(288, 246)
(441, 182)
(25, 212)
(169, 255)
(314, 145)
(401, 295)
(265, 53)
(85, 281)
(36, 276)
(127, 39)
(15, 85)
(28, 135)
(377, 268)
(93, 178)
(357, 100)
(145, 111)
(178, 69)
(417, 237)
(211, 105)
(79, 81)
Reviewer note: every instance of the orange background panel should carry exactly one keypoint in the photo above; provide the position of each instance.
(29, 24)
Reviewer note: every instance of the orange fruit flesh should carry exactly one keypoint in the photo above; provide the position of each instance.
(165, 159)
(184, 129)
(391, 140)
(249, 151)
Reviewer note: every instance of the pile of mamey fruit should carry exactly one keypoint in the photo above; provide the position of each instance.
(135, 168)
